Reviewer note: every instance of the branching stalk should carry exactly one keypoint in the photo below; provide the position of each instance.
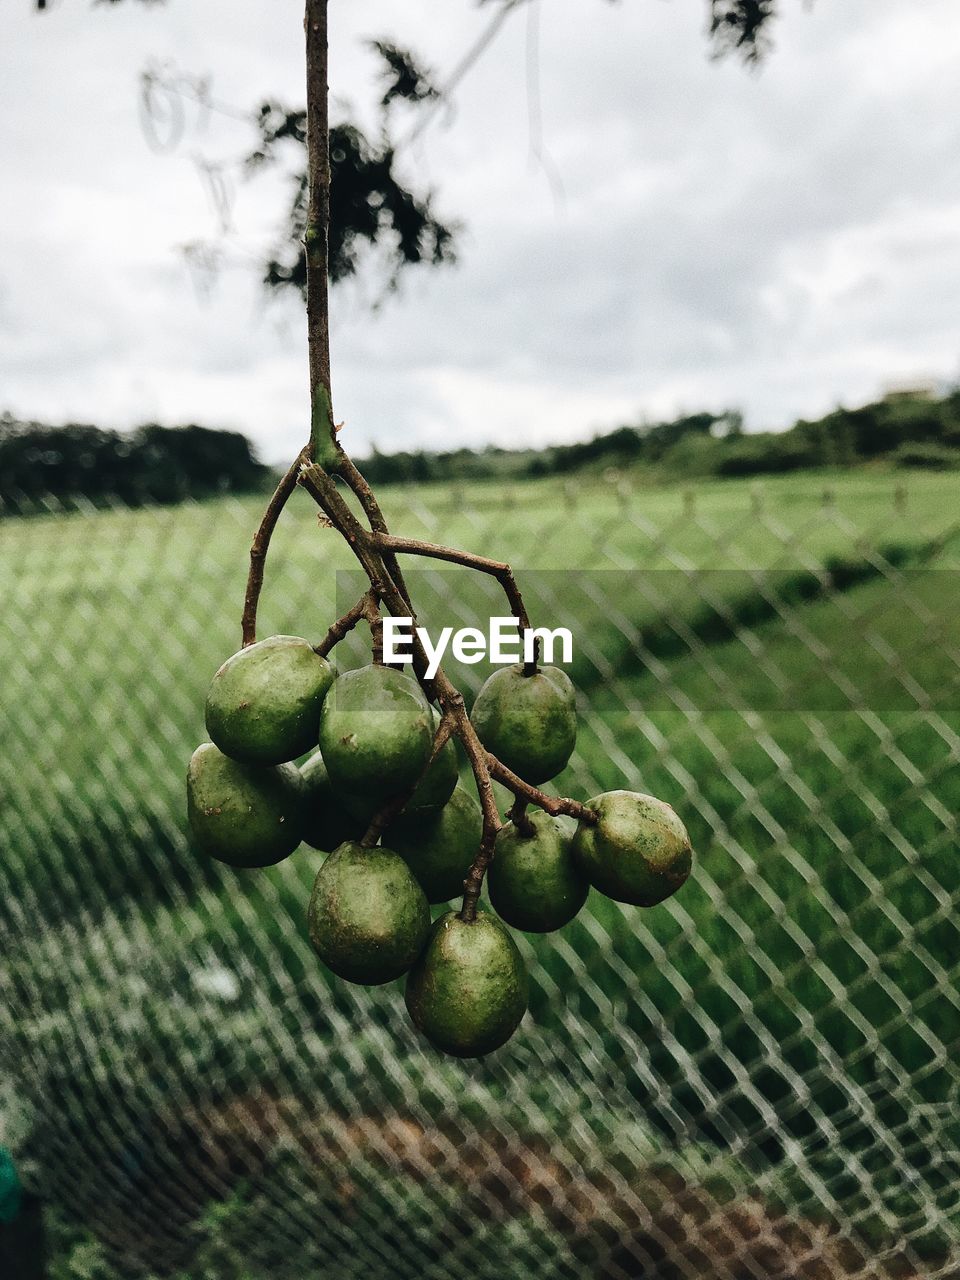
(375, 548)
(395, 806)
(259, 548)
(347, 470)
(483, 564)
(343, 626)
(554, 805)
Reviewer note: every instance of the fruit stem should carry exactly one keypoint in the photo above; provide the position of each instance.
(348, 471)
(343, 626)
(375, 623)
(260, 546)
(518, 816)
(554, 805)
(483, 564)
(395, 806)
(474, 881)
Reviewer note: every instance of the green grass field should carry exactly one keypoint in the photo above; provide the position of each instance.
(805, 727)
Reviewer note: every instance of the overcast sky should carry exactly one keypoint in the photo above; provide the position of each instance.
(777, 242)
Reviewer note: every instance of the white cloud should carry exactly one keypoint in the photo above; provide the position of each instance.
(776, 241)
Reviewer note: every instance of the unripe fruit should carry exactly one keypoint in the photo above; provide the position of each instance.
(439, 848)
(467, 992)
(533, 881)
(327, 824)
(368, 918)
(264, 703)
(431, 793)
(246, 815)
(638, 852)
(375, 732)
(528, 722)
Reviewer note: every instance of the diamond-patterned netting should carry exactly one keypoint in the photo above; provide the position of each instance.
(757, 1078)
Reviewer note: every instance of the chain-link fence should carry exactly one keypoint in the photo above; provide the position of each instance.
(757, 1078)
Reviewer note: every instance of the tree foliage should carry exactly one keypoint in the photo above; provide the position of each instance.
(741, 26)
(403, 77)
(151, 464)
(368, 204)
(371, 207)
(907, 430)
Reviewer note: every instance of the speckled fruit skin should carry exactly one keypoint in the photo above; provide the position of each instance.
(533, 881)
(431, 794)
(467, 992)
(264, 703)
(327, 823)
(639, 851)
(439, 848)
(246, 815)
(375, 732)
(368, 918)
(528, 722)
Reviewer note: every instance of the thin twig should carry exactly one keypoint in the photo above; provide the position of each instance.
(467, 61)
(396, 805)
(483, 564)
(491, 819)
(533, 795)
(348, 470)
(343, 626)
(259, 548)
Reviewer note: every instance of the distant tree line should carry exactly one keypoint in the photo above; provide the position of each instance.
(150, 464)
(170, 464)
(907, 429)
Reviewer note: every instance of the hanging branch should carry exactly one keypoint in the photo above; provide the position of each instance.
(366, 609)
(375, 548)
(527, 794)
(260, 546)
(393, 808)
(483, 564)
(323, 439)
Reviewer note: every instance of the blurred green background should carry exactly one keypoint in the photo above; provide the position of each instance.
(758, 1072)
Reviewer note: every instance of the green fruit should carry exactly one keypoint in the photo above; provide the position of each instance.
(528, 722)
(533, 881)
(247, 815)
(327, 823)
(375, 732)
(368, 917)
(468, 991)
(264, 703)
(638, 852)
(431, 793)
(439, 848)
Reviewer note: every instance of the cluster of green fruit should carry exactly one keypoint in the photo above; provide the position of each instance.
(250, 805)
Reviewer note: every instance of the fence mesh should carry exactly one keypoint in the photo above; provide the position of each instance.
(757, 1078)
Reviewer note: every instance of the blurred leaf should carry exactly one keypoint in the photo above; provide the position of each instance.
(403, 76)
(741, 26)
(369, 206)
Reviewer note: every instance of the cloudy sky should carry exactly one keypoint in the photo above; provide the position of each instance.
(776, 242)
